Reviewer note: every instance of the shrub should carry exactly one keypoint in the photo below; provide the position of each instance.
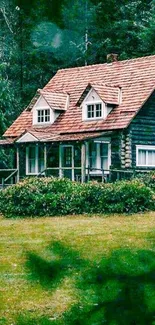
(51, 196)
(148, 179)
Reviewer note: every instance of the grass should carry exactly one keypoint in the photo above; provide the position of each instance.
(78, 270)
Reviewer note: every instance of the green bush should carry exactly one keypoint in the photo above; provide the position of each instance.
(52, 197)
(148, 179)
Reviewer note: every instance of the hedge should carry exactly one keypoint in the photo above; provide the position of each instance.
(53, 197)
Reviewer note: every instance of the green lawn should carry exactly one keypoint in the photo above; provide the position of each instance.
(78, 270)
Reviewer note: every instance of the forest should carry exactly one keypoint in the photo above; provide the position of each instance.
(38, 37)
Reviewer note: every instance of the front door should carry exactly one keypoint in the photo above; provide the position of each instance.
(67, 161)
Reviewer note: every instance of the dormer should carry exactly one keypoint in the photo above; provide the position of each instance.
(49, 106)
(98, 100)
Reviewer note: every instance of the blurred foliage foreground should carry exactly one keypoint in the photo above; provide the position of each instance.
(117, 290)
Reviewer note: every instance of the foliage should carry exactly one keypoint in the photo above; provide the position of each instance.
(51, 196)
(39, 37)
(148, 179)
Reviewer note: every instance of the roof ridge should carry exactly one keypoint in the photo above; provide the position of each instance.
(108, 64)
(104, 84)
(61, 91)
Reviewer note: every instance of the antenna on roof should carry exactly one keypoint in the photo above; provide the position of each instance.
(86, 31)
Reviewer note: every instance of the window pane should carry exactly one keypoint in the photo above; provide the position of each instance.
(142, 157)
(98, 110)
(104, 155)
(40, 159)
(47, 115)
(151, 157)
(90, 111)
(104, 149)
(77, 156)
(104, 163)
(67, 157)
(31, 160)
(92, 154)
(43, 115)
(53, 156)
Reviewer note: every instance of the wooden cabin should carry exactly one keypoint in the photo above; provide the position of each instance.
(87, 123)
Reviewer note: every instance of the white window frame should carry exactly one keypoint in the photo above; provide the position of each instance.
(94, 106)
(36, 160)
(43, 109)
(146, 148)
(98, 161)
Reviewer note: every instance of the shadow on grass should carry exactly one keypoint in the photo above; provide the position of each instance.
(25, 319)
(118, 290)
(50, 273)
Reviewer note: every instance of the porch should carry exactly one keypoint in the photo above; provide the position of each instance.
(76, 160)
(80, 161)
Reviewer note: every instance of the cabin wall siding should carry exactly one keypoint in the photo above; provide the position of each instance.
(142, 129)
(22, 161)
(116, 139)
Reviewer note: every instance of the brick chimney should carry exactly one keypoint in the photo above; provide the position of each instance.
(112, 57)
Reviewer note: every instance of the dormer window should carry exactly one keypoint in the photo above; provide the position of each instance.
(94, 111)
(43, 116)
(98, 100)
(49, 106)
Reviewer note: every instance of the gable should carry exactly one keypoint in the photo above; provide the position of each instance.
(92, 96)
(27, 137)
(41, 102)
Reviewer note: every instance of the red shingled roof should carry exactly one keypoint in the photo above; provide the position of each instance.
(108, 93)
(56, 100)
(4, 142)
(136, 78)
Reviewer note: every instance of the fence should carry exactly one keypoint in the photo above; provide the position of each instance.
(9, 176)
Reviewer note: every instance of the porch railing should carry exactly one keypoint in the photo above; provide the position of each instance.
(90, 173)
(4, 180)
(116, 174)
(60, 171)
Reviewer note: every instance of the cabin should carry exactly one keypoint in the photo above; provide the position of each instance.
(90, 122)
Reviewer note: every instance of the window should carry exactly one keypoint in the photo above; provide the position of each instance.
(145, 156)
(34, 159)
(43, 116)
(94, 111)
(98, 156)
(104, 155)
(31, 160)
(67, 156)
(92, 155)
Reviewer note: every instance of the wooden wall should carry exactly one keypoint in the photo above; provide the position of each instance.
(22, 160)
(142, 128)
(116, 139)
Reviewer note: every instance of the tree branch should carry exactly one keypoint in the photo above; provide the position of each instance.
(6, 19)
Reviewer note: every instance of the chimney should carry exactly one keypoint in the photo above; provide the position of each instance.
(112, 57)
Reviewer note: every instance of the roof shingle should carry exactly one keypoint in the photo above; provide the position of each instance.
(136, 77)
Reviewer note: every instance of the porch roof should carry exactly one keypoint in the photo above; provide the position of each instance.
(39, 136)
(4, 142)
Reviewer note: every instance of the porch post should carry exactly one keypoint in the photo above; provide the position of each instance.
(60, 161)
(83, 162)
(17, 159)
(45, 157)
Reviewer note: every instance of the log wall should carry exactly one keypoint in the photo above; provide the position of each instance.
(142, 128)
